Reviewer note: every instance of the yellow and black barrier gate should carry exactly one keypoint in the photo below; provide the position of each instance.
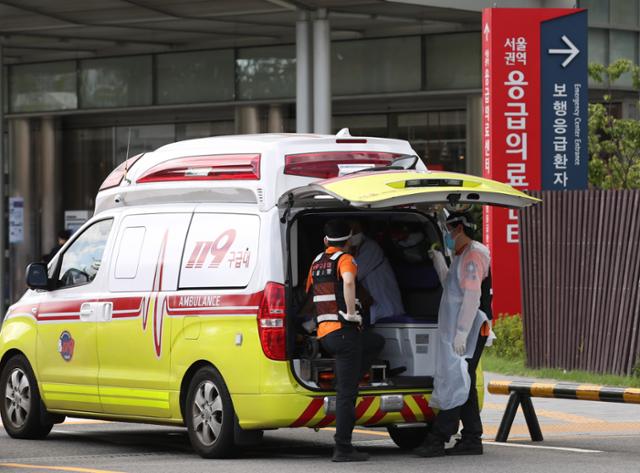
(520, 394)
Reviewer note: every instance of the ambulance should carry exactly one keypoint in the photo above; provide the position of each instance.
(180, 301)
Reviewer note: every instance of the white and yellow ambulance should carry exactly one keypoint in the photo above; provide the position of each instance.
(179, 302)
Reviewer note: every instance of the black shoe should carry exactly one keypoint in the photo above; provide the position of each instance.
(349, 456)
(465, 447)
(432, 447)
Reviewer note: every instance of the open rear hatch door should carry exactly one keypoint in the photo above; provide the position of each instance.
(393, 188)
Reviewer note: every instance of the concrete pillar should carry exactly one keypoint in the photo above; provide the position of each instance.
(321, 73)
(304, 84)
(275, 119)
(247, 119)
(22, 186)
(50, 187)
(473, 156)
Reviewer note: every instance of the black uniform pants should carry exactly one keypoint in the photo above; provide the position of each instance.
(447, 421)
(353, 350)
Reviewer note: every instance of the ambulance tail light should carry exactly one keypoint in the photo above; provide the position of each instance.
(115, 177)
(325, 165)
(271, 322)
(244, 167)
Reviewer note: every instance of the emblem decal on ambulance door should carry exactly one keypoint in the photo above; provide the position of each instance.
(66, 344)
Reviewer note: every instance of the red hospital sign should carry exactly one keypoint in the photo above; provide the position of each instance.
(512, 131)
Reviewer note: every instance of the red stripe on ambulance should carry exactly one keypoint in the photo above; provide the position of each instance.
(377, 417)
(407, 413)
(363, 405)
(424, 407)
(324, 422)
(308, 414)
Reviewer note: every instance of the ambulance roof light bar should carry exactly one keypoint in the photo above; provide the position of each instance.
(221, 167)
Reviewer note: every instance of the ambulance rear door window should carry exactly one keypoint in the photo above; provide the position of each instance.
(221, 251)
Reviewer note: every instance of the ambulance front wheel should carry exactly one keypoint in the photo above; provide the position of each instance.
(407, 438)
(21, 408)
(209, 415)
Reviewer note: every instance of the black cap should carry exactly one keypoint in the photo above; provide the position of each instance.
(337, 230)
(64, 234)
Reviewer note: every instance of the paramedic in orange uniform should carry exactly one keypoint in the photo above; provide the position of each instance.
(332, 279)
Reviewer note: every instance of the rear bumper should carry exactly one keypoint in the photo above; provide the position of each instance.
(265, 411)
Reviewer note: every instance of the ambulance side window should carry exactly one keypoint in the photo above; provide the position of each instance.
(147, 252)
(129, 252)
(81, 262)
(221, 251)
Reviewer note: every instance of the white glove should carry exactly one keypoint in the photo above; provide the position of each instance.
(357, 318)
(460, 343)
(439, 263)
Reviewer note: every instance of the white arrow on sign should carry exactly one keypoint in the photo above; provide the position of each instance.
(572, 52)
(486, 31)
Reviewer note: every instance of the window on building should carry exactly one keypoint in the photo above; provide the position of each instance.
(82, 260)
(266, 72)
(115, 82)
(624, 13)
(90, 154)
(199, 76)
(598, 11)
(43, 87)
(375, 66)
(5, 90)
(189, 131)
(132, 140)
(87, 158)
(453, 61)
(598, 50)
(362, 125)
(598, 44)
(438, 137)
(623, 45)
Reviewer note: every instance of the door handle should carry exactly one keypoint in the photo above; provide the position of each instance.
(106, 311)
(86, 312)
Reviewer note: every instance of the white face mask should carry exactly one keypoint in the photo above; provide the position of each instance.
(356, 240)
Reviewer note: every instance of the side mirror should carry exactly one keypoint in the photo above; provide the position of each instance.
(37, 276)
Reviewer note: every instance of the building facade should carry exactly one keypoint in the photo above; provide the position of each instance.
(87, 86)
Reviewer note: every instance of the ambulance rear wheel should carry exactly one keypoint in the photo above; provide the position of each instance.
(23, 414)
(407, 438)
(209, 415)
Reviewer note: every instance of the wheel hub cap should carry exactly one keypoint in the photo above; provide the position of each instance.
(17, 402)
(207, 413)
